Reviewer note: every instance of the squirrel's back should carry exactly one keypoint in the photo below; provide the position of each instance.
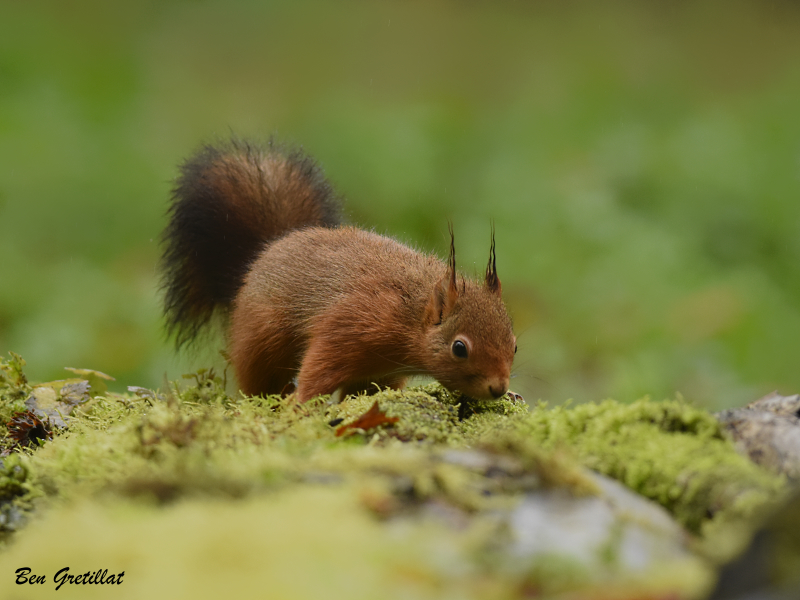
(323, 265)
(228, 202)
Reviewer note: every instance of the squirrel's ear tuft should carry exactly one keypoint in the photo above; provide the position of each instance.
(451, 262)
(445, 293)
(492, 280)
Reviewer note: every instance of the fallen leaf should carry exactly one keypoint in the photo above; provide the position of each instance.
(374, 417)
(75, 392)
(55, 400)
(97, 379)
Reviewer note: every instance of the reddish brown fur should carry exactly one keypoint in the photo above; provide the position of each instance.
(341, 308)
(348, 307)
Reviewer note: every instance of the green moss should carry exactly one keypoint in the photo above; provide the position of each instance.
(188, 445)
(13, 478)
(199, 440)
(14, 386)
(142, 460)
(312, 541)
(668, 451)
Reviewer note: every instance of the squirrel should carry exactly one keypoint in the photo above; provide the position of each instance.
(255, 233)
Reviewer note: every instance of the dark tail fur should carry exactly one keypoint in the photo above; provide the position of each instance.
(229, 201)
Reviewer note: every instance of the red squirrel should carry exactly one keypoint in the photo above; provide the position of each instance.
(255, 233)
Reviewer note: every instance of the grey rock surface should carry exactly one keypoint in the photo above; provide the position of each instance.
(768, 431)
(616, 528)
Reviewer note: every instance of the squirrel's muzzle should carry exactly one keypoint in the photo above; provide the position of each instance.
(498, 389)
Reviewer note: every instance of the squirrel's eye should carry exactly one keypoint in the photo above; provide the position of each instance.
(460, 349)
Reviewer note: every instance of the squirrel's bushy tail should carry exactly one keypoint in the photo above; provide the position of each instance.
(228, 203)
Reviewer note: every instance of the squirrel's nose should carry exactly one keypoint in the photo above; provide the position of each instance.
(498, 389)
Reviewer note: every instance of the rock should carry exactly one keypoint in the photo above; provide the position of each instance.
(768, 431)
(614, 529)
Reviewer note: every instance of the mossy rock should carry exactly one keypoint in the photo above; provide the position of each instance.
(196, 493)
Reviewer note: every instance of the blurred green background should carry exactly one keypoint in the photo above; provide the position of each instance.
(641, 162)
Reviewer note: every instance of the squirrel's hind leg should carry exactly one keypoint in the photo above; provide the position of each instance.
(265, 353)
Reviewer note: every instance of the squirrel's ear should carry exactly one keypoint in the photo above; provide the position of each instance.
(492, 280)
(445, 293)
